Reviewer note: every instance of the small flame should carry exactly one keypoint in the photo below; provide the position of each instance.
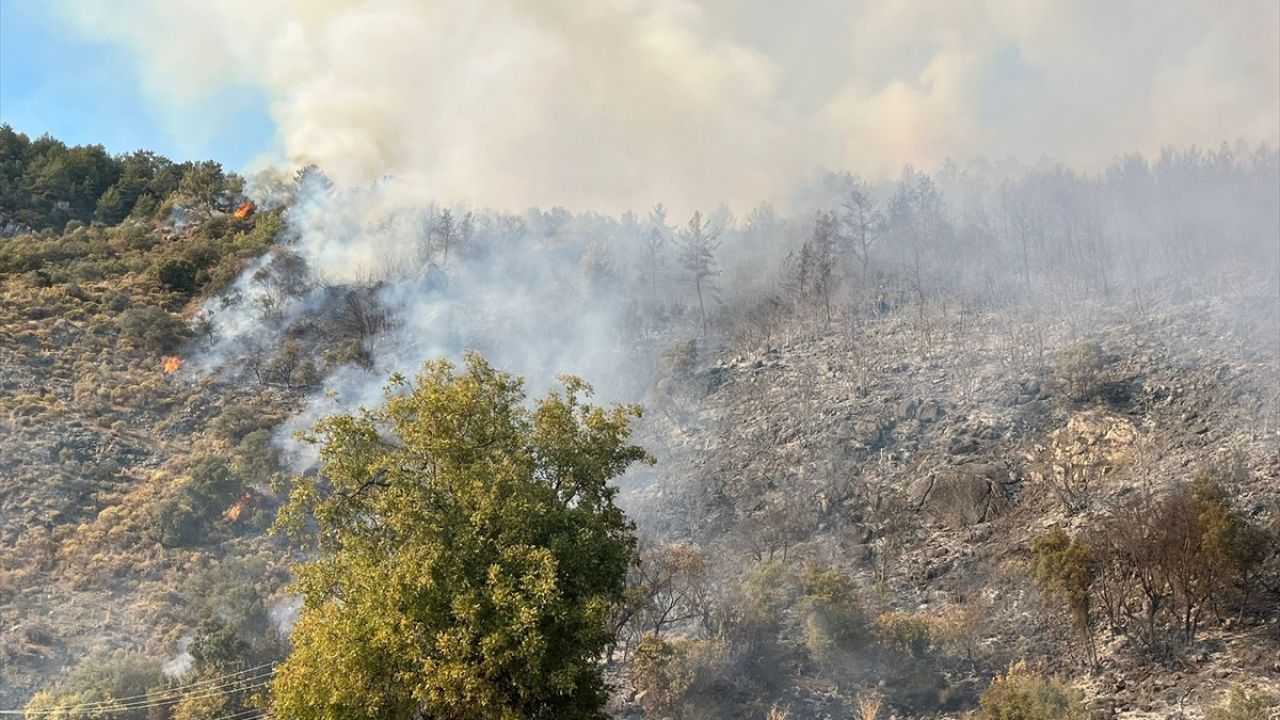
(245, 209)
(247, 500)
(172, 364)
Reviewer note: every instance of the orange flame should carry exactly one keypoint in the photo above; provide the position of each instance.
(246, 501)
(172, 364)
(245, 209)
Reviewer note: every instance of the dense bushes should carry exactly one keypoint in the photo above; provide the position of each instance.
(152, 329)
(181, 515)
(102, 678)
(1156, 566)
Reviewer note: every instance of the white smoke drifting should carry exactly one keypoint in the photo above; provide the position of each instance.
(539, 295)
(183, 663)
(617, 104)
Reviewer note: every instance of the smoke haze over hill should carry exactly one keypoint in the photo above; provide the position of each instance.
(617, 105)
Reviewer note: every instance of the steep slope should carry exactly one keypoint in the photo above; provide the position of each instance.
(925, 471)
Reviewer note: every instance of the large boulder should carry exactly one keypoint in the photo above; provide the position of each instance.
(963, 495)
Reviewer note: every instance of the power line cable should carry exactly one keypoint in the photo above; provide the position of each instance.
(115, 706)
(152, 695)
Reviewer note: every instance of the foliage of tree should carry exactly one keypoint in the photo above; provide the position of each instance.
(698, 244)
(469, 553)
(46, 184)
(813, 267)
(1065, 569)
(177, 274)
(835, 624)
(663, 676)
(182, 514)
(207, 187)
(1158, 565)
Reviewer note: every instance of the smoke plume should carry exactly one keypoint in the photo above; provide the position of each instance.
(618, 104)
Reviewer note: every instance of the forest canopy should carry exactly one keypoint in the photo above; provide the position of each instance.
(469, 553)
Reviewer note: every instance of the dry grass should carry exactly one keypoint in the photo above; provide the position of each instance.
(869, 706)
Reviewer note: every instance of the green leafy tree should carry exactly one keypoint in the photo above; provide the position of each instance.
(468, 553)
(1065, 569)
(207, 187)
(835, 626)
(177, 274)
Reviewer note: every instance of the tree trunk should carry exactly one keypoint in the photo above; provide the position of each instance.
(702, 310)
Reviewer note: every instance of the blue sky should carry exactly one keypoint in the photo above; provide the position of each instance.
(53, 79)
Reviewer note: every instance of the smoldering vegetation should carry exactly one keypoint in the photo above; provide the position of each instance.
(373, 280)
(861, 408)
(908, 434)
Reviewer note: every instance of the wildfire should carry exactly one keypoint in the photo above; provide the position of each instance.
(244, 211)
(246, 501)
(172, 364)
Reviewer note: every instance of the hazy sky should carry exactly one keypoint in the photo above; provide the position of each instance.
(618, 103)
(55, 79)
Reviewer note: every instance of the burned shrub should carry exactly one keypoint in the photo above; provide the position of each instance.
(676, 364)
(1081, 369)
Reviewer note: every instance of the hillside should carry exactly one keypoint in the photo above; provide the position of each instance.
(938, 461)
(927, 476)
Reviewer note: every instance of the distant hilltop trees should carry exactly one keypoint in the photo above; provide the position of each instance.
(45, 184)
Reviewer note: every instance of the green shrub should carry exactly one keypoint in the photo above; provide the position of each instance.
(834, 623)
(153, 329)
(115, 301)
(177, 274)
(238, 420)
(1021, 694)
(677, 363)
(662, 675)
(256, 456)
(101, 678)
(908, 633)
(216, 647)
(1244, 704)
(1065, 570)
(185, 510)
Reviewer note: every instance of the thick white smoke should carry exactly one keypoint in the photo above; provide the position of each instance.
(539, 295)
(617, 104)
